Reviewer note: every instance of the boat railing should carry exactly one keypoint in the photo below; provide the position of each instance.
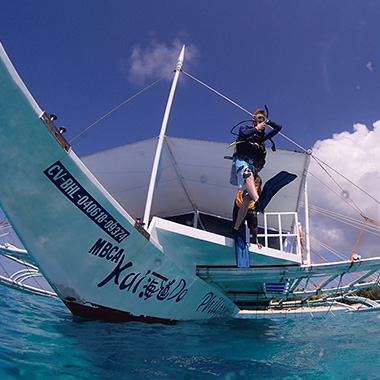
(274, 236)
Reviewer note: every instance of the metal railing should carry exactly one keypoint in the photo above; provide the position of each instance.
(276, 237)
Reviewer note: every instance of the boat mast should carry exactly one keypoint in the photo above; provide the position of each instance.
(161, 137)
(307, 225)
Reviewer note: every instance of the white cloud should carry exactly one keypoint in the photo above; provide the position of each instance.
(356, 155)
(157, 60)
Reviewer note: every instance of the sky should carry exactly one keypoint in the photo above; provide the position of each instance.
(315, 64)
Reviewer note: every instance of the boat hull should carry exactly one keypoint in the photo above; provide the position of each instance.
(84, 243)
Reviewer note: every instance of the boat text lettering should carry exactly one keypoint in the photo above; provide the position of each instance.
(77, 194)
(211, 304)
(146, 286)
(103, 248)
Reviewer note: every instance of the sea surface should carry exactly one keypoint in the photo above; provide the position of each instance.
(40, 339)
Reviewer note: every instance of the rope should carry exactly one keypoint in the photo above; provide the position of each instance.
(334, 252)
(357, 242)
(366, 219)
(342, 190)
(243, 109)
(218, 93)
(357, 209)
(352, 222)
(353, 205)
(117, 107)
(318, 254)
(330, 249)
(239, 106)
(340, 284)
(347, 179)
(319, 161)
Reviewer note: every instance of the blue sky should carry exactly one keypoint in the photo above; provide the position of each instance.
(314, 63)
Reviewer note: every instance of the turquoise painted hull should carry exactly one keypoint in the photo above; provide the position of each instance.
(84, 243)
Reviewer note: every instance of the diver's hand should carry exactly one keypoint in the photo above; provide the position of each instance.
(260, 126)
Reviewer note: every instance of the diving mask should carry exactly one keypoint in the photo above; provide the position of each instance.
(261, 118)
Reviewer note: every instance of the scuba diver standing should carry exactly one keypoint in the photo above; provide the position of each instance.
(249, 159)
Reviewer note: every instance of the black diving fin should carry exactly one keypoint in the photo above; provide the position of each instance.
(271, 187)
(242, 252)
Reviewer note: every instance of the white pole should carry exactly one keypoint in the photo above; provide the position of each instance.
(161, 137)
(307, 226)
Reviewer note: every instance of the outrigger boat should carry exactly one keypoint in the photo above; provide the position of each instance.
(78, 220)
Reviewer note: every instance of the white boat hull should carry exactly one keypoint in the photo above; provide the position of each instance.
(85, 244)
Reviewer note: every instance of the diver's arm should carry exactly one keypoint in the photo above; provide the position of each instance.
(276, 128)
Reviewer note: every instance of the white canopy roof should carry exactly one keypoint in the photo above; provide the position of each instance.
(193, 175)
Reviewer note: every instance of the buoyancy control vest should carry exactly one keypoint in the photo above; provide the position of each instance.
(251, 150)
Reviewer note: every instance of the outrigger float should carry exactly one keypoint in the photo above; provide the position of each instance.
(78, 220)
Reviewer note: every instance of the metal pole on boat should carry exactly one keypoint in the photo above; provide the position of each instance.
(307, 225)
(161, 137)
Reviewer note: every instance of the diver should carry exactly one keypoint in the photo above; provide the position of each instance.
(249, 159)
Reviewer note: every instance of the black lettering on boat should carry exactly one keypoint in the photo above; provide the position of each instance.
(70, 187)
(139, 282)
(97, 246)
(115, 274)
(103, 248)
(211, 305)
(58, 175)
(79, 196)
(146, 286)
(179, 291)
(117, 256)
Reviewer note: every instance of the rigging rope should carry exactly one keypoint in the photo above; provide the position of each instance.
(117, 107)
(357, 209)
(366, 219)
(239, 106)
(218, 93)
(340, 284)
(347, 179)
(332, 250)
(342, 190)
(357, 242)
(322, 164)
(318, 254)
(352, 222)
(318, 161)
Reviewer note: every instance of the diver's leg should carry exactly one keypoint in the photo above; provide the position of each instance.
(251, 187)
(242, 213)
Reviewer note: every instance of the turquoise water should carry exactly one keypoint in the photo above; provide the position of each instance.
(41, 340)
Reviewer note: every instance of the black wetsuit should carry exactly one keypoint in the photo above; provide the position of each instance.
(251, 149)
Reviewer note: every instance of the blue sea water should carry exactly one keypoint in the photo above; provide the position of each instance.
(40, 339)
